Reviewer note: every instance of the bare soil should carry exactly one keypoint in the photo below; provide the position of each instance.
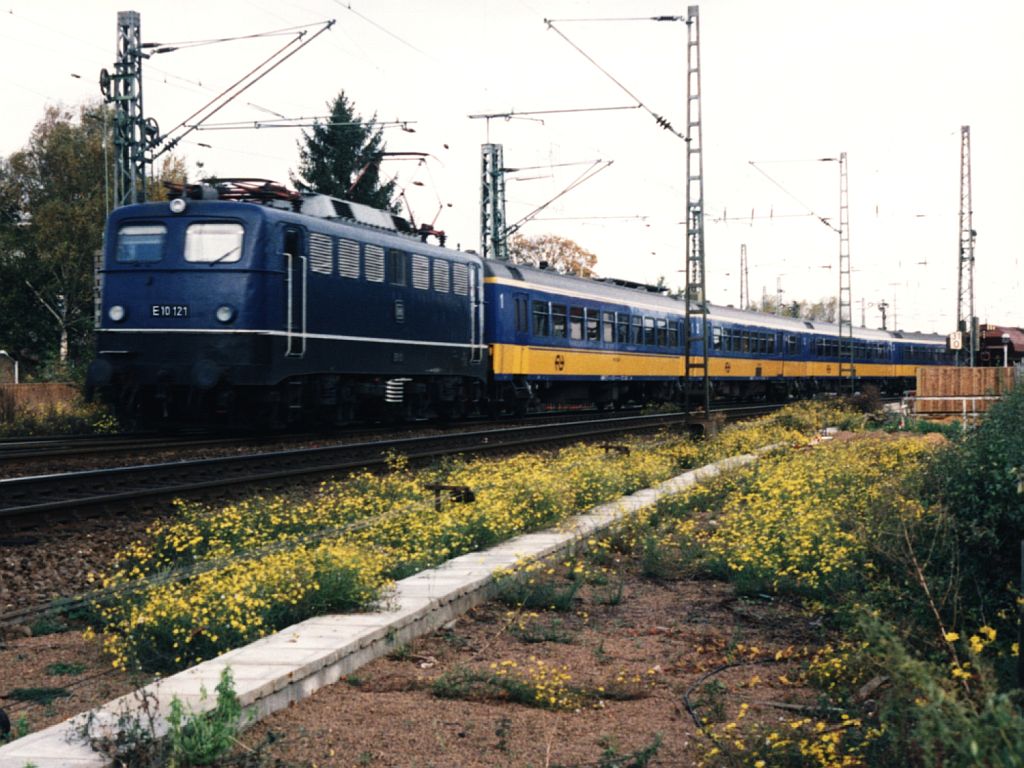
(664, 651)
(669, 651)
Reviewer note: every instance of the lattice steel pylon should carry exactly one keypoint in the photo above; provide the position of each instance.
(966, 322)
(493, 240)
(696, 365)
(845, 308)
(131, 134)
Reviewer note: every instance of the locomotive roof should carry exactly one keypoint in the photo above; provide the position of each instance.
(638, 295)
(341, 226)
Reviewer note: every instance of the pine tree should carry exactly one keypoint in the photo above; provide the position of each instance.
(341, 157)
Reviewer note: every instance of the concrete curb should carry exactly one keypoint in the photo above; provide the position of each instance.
(291, 664)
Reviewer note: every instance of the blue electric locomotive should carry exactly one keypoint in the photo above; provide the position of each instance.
(265, 313)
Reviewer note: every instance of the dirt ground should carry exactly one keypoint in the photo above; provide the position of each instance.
(653, 646)
(659, 649)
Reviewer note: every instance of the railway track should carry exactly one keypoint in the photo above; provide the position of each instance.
(20, 450)
(35, 500)
(13, 449)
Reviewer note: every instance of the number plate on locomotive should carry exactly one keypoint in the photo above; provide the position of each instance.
(170, 310)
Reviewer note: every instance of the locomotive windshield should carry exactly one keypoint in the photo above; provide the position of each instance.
(213, 242)
(140, 243)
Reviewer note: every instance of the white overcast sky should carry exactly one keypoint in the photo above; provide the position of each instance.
(890, 82)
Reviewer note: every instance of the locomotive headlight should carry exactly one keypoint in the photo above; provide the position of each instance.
(178, 205)
(225, 313)
(116, 313)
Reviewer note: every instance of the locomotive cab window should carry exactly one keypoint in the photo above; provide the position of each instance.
(217, 242)
(137, 243)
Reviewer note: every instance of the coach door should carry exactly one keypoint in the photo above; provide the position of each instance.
(521, 308)
(295, 293)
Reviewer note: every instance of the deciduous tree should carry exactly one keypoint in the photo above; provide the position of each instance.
(52, 230)
(559, 253)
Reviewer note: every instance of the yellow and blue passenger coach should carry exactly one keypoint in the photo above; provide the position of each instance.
(559, 338)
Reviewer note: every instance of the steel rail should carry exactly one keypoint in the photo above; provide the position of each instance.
(21, 497)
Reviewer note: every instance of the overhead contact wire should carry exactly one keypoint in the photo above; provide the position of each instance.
(660, 120)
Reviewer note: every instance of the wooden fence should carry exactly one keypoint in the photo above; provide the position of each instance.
(952, 391)
(17, 398)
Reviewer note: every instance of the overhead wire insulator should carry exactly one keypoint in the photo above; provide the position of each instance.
(663, 122)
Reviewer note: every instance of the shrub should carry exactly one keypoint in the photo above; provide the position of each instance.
(979, 481)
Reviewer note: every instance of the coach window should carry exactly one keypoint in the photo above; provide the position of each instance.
(608, 327)
(593, 325)
(744, 341)
(636, 329)
(791, 345)
(649, 339)
(576, 323)
(541, 326)
(397, 267)
(215, 242)
(662, 333)
(673, 334)
(138, 243)
(621, 328)
(558, 318)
